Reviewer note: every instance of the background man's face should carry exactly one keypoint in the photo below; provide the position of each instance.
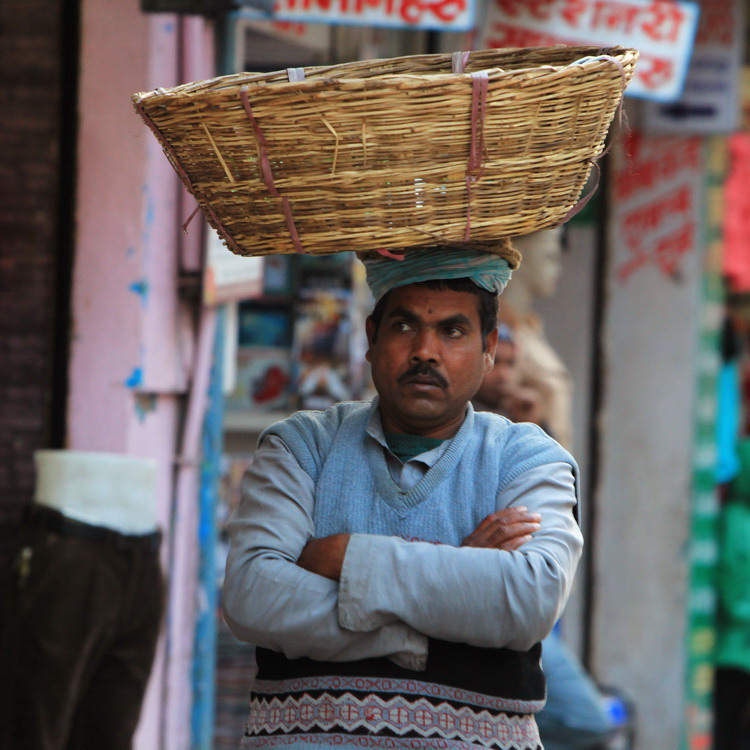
(503, 378)
(427, 358)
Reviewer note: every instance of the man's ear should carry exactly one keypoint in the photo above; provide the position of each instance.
(370, 330)
(489, 355)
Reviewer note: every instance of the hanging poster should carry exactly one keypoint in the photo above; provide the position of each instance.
(656, 197)
(263, 379)
(320, 350)
(663, 31)
(710, 102)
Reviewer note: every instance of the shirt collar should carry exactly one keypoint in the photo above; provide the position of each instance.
(375, 431)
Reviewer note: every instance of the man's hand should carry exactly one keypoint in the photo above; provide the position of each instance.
(505, 529)
(325, 556)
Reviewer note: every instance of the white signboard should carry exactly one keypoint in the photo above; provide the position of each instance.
(662, 30)
(710, 102)
(440, 15)
(229, 277)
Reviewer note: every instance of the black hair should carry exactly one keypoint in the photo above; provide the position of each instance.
(487, 302)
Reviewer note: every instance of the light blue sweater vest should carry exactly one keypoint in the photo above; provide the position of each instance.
(355, 493)
(474, 694)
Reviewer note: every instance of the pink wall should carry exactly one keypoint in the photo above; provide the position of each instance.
(132, 342)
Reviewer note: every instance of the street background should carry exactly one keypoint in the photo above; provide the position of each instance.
(121, 332)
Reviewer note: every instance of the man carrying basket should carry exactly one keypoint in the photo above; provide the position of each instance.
(398, 562)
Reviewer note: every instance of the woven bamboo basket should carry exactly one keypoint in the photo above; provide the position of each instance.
(398, 153)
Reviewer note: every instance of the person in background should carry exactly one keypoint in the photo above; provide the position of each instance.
(574, 717)
(501, 390)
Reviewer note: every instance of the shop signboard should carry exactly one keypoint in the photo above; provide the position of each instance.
(656, 197)
(710, 102)
(663, 31)
(437, 15)
(229, 277)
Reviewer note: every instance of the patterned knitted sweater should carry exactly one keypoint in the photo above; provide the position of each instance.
(468, 696)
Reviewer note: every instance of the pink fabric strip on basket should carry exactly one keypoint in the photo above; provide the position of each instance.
(190, 219)
(182, 174)
(475, 166)
(386, 253)
(459, 60)
(265, 166)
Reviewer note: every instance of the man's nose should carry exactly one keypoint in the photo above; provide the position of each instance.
(425, 347)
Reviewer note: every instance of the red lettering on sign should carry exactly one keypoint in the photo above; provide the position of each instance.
(647, 170)
(573, 10)
(290, 27)
(361, 5)
(655, 71)
(615, 16)
(652, 216)
(408, 11)
(665, 21)
(666, 254)
(670, 249)
(501, 36)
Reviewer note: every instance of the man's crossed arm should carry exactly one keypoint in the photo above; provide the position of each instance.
(506, 529)
(391, 594)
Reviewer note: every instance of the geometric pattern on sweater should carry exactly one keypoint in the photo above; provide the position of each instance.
(497, 679)
(326, 741)
(387, 685)
(399, 716)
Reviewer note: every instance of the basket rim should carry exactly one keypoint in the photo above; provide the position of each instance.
(260, 83)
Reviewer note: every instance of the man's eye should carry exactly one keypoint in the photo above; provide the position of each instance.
(401, 326)
(453, 332)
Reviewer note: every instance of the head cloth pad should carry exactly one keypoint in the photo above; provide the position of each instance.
(490, 271)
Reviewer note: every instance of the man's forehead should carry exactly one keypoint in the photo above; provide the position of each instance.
(439, 303)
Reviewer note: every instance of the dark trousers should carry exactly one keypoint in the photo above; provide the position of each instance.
(732, 709)
(80, 622)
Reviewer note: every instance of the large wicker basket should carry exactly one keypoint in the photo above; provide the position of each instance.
(396, 153)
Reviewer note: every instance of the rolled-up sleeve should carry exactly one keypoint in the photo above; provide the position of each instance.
(270, 601)
(483, 597)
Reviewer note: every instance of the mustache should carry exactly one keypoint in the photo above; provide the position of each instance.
(423, 371)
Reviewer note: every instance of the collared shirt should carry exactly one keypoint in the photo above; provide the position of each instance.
(272, 602)
(405, 475)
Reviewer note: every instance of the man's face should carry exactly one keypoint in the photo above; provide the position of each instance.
(427, 359)
(500, 381)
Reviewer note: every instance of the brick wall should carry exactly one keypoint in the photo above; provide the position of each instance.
(32, 80)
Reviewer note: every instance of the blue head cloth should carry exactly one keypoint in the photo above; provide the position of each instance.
(487, 270)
